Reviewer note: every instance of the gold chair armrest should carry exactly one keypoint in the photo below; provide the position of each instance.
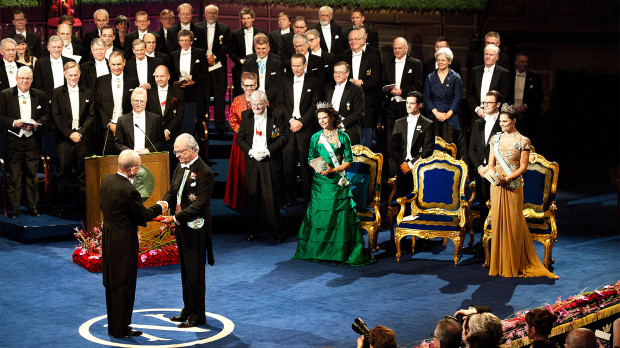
(392, 183)
(402, 201)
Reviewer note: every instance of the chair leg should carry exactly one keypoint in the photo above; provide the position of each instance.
(457, 248)
(371, 240)
(397, 241)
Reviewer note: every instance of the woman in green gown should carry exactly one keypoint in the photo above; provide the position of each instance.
(331, 230)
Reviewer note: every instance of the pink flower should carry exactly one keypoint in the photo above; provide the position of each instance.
(549, 308)
(152, 252)
(143, 257)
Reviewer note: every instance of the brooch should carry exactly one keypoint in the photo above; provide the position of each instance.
(517, 146)
(193, 176)
(192, 197)
(276, 132)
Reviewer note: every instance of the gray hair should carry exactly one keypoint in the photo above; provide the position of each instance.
(445, 51)
(331, 10)
(211, 6)
(298, 38)
(492, 48)
(138, 90)
(101, 11)
(448, 333)
(26, 70)
(187, 140)
(54, 38)
(258, 94)
(98, 41)
(8, 39)
(356, 31)
(488, 326)
(127, 159)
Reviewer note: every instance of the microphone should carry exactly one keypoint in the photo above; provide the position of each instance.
(147, 137)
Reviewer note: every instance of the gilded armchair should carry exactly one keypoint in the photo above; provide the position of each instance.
(540, 183)
(365, 178)
(438, 205)
(441, 146)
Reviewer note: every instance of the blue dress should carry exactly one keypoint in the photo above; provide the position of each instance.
(331, 229)
(444, 97)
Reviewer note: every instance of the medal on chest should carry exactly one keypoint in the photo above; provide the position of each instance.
(192, 197)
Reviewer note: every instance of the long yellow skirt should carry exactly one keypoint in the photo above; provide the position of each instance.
(512, 248)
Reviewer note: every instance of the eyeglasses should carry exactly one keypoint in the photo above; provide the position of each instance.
(340, 72)
(24, 78)
(312, 39)
(355, 39)
(488, 103)
(298, 27)
(255, 105)
(248, 86)
(139, 102)
(180, 152)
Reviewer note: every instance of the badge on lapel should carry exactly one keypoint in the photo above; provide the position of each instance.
(349, 106)
(221, 37)
(368, 72)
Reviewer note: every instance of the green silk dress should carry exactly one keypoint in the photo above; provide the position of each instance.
(331, 229)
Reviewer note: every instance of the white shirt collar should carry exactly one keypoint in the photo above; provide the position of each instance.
(212, 26)
(143, 61)
(24, 94)
(186, 27)
(285, 31)
(341, 85)
(7, 63)
(56, 61)
(73, 89)
(249, 31)
(489, 69)
(411, 118)
(317, 53)
(358, 53)
(114, 77)
(403, 60)
(187, 165)
(492, 117)
(162, 89)
(189, 51)
(140, 115)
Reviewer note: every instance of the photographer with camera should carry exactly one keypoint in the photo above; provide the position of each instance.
(378, 337)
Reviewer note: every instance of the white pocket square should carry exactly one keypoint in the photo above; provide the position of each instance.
(409, 72)
(131, 89)
(86, 101)
(308, 91)
(197, 60)
(273, 73)
(336, 37)
(193, 184)
(38, 107)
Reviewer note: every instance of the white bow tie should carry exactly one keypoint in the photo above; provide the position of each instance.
(186, 53)
(521, 74)
(11, 65)
(163, 89)
(73, 90)
(358, 54)
(298, 79)
(401, 61)
(488, 70)
(185, 166)
(260, 117)
(211, 26)
(144, 61)
(22, 94)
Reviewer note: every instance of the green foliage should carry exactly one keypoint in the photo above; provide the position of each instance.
(404, 5)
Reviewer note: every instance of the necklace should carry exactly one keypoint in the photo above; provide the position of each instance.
(329, 135)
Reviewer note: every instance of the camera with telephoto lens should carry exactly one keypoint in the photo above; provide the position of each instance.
(459, 318)
(360, 327)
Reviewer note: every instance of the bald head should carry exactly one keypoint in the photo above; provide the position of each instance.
(581, 338)
(127, 160)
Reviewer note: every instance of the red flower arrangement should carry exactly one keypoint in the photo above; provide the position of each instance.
(569, 310)
(157, 248)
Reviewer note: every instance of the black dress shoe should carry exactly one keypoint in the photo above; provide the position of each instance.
(190, 322)
(131, 333)
(34, 211)
(179, 318)
(14, 214)
(251, 237)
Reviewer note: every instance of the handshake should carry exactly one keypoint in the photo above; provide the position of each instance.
(259, 154)
(166, 219)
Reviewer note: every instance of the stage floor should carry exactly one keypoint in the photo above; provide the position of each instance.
(258, 296)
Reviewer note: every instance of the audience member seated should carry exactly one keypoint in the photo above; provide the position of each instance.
(447, 334)
(379, 337)
(538, 324)
(484, 330)
(581, 338)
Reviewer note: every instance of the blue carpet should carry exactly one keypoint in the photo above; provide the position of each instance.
(275, 301)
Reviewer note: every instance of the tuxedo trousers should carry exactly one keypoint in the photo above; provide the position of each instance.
(296, 151)
(261, 179)
(192, 255)
(215, 85)
(71, 155)
(22, 154)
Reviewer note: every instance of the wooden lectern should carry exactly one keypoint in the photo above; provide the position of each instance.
(98, 167)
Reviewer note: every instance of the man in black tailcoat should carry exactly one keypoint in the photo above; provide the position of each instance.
(348, 99)
(23, 139)
(189, 199)
(300, 93)
(139, 130)
(262, 136)
(73, 110)
(121, 205)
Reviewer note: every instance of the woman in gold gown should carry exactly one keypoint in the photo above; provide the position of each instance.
(512, 249)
